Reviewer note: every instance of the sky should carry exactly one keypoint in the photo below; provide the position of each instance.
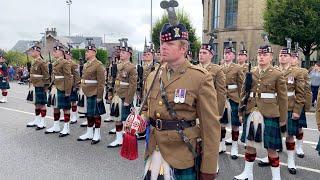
(114, 19)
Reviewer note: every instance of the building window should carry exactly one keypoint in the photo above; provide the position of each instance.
(231, 13)
(215, 13)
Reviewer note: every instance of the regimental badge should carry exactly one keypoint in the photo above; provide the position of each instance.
(290, 80)
(176, 96)
(177, 32)
(182, 95)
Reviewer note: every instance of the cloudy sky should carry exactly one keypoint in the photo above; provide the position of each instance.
(26, 19)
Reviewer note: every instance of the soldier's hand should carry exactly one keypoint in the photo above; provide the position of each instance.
(295, 116)
(126, 104)
(241, 119)
(110, 98)
(283, 124)
(205, 176)
(99, 100)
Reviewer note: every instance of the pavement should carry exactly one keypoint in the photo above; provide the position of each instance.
(29, 154)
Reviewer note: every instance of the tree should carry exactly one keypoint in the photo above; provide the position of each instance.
(296, 19)
(102, 55)
(15, 58)
(184, 19)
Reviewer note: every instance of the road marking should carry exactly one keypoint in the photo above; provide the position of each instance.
(24, 112)
(284, 164)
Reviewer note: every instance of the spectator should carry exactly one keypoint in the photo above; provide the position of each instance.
(25, 76)
(315, 81)
(12, 73)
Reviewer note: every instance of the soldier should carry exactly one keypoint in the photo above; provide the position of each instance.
(206, 54)
(124, 90)
(92, 84)
(318, 120)
(295, 86)
(234, 80)
(181, 93)
(4, 80)
(39, 83)
(264, 114)
(75, 87)
(295, 62)
(243, 58)
(60, 89)
(148, 66)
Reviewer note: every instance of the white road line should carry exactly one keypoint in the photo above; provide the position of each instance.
(304, 141)
(16, 98)
(24, 112)
(284, 164)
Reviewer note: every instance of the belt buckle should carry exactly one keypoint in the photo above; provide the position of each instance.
(82, 81)
(117, 82)
(159, 124)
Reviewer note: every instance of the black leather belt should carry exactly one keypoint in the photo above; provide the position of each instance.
(160, 124)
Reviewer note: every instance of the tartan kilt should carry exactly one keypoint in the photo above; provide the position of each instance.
(293, 125)
(303, 119)
(40, 96)
(234, 115)
(4, 84)
(125, 111)
(94, 108)
(318, 146)
(63, 103)
(74, 95)
(271, 134)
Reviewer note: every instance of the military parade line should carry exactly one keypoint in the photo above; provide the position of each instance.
(182, 110)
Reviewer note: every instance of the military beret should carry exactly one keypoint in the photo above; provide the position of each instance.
(229, 49)
(265, 49)
(285, 51)
(127, 49)
(208, 47)
(91, 47)
(243, 52)
(35, 47)
(58, 46)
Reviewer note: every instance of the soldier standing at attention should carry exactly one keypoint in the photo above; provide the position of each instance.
(4, 80)
(75, 87)
(234, 80)
(61, 90)
(40, 80)
(181, 93)
(124, 90)
(265, 113)
(92, 84)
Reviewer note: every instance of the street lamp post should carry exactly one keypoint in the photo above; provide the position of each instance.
(69, 2)
(151, 21)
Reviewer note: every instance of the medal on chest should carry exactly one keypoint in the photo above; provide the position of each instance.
(179, 96)
(290, 80)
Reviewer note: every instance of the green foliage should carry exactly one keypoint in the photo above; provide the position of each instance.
(184, 19)
(296, 19)
(102, 55)
(15, 58)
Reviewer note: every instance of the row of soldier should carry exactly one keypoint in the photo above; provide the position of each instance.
(228, 78)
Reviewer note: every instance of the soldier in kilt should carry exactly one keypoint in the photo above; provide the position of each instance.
(75, 86)
(124, 91)
(265, 113)
(234, 81)
(318, 120)
(61, 90)
(295, 62)
(92, 84)
(39, 82)
(296, 98)
(4, 80)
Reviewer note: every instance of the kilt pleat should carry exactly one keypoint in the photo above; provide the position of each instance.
(234, 115)
(40, 96)
(293, 125)
(63, 102)
(94, 108)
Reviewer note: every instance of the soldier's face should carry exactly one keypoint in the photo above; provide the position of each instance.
(229, 57)
(33, 53)
(294, 61)
(124, 55)
(68, 57)
(147, 56)
(205, 56)
(172, 51)
(264, 59)
(284, 58)
(242, 58)
(90, 54)
(57, 53)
